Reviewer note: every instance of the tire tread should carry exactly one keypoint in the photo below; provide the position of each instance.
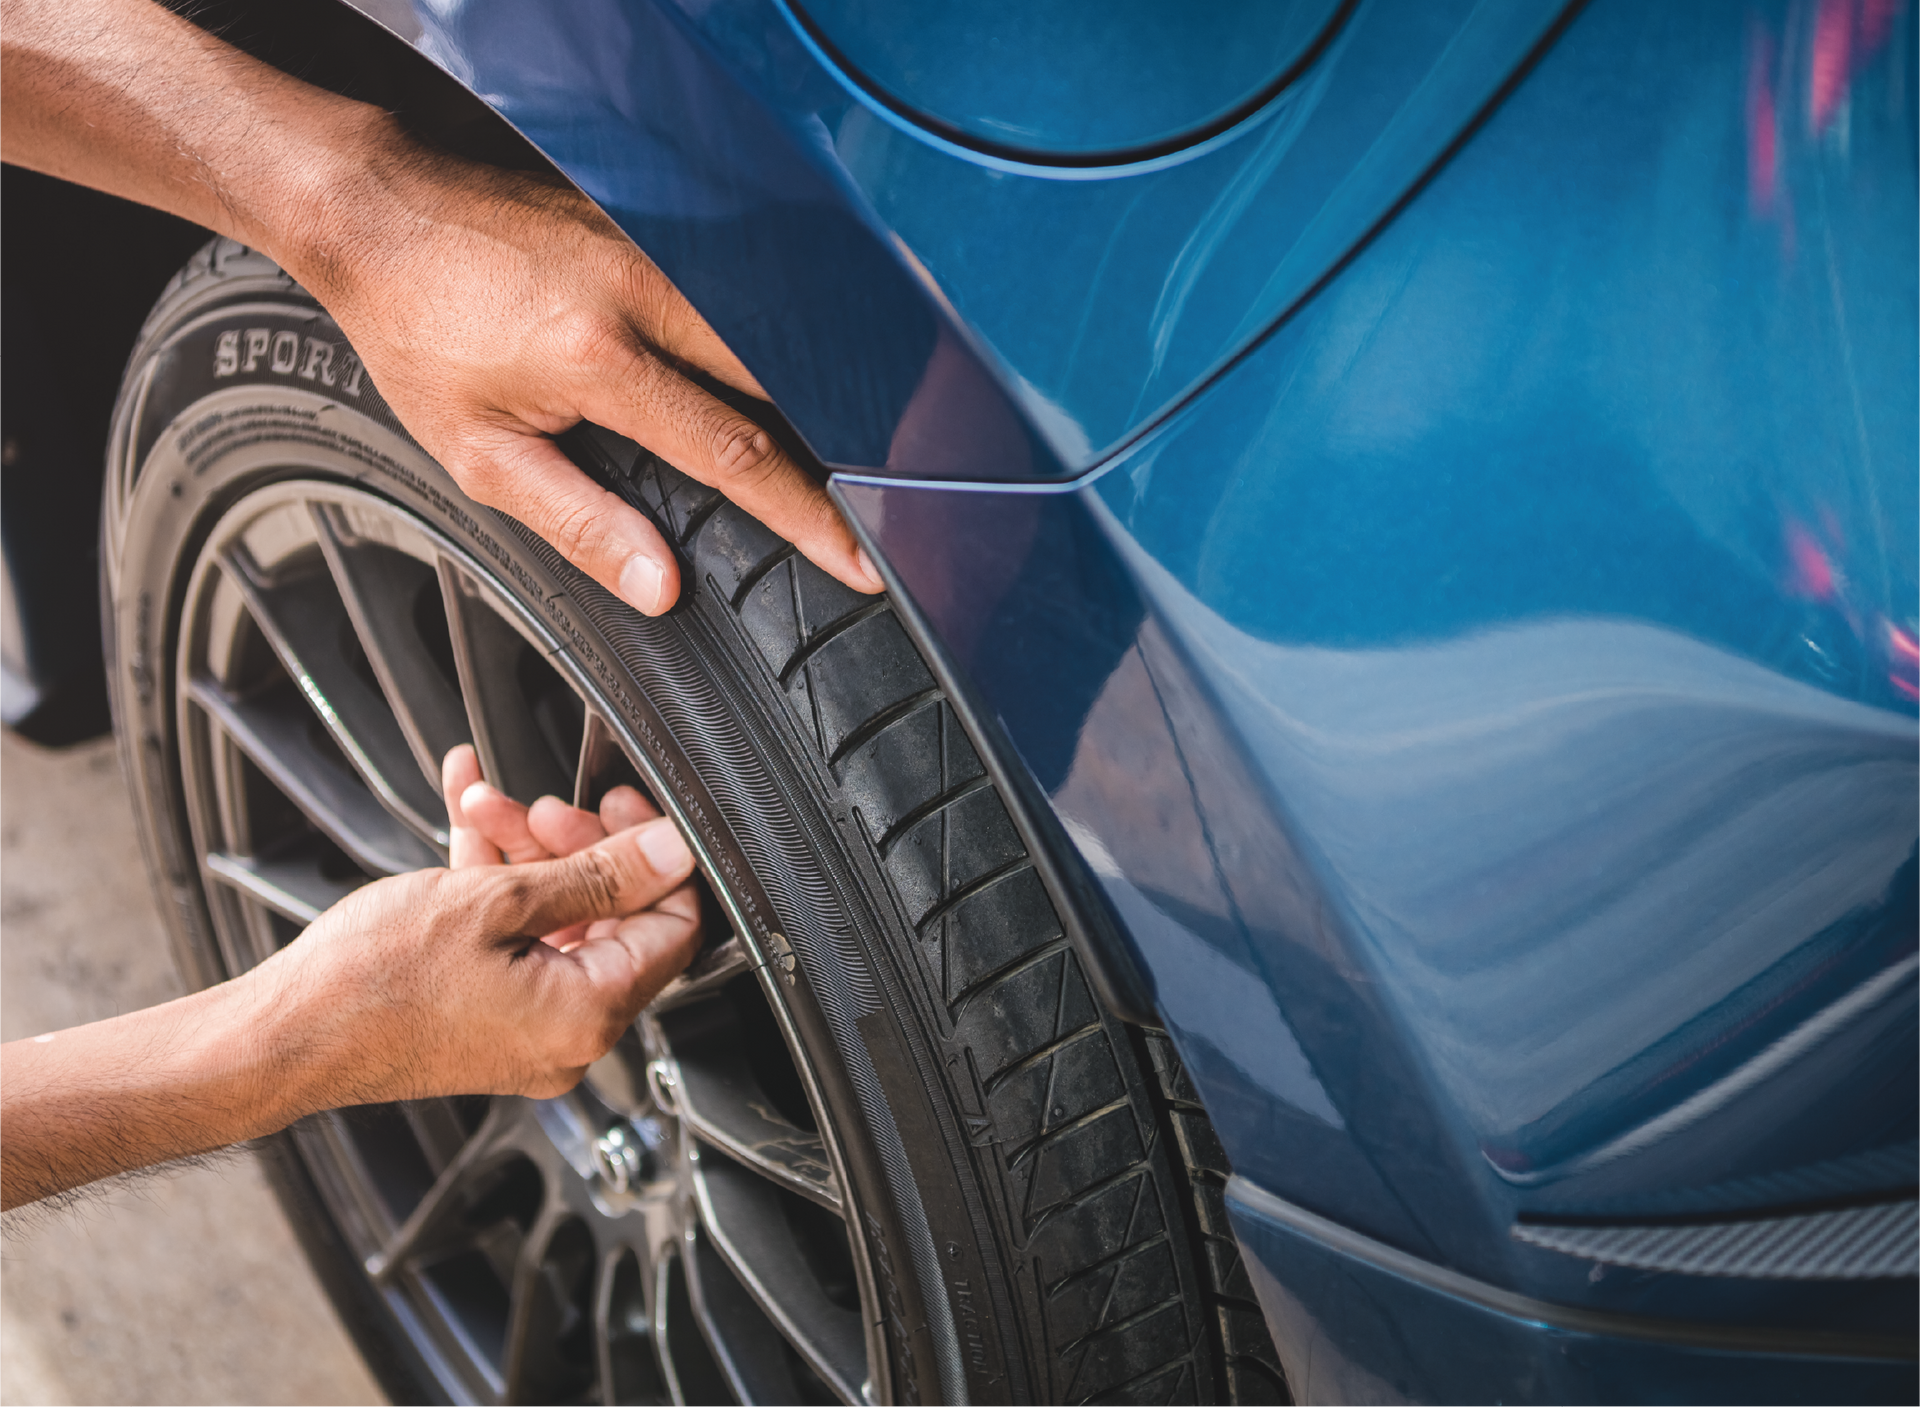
(1075, 1122)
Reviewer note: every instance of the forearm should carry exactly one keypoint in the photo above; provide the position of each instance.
(144, 1088)
(129, 98)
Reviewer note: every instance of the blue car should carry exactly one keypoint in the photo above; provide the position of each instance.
(1369, 852)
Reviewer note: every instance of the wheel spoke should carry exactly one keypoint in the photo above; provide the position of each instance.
(427, 1227)
(719, 1098)
(680, 1342)
(309, 627)
(745, 1344)
(392, 599)
(751, 1231)
(711, 969)
(442, 1136)
(629, 1371)
(273, 732)
(293, 889)
(515, 756)
(528, 1307)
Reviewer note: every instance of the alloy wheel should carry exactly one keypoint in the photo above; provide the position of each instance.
(678, 1228)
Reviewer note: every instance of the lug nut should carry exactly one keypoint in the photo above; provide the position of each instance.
(619, 1160)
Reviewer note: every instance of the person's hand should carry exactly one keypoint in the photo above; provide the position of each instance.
(437, 982)
(494, 309)
(488, 827)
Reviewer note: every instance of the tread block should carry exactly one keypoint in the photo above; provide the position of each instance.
(823, 600)
(791, 606)
(1210, 1201)
(729, 546)
(1117, 1214)
(1068, 1084)
(1228, 1271)
(1244, 1331)
(1114, 1358)
(1254, 1385)
(952, 848)
(1171, 1075)
(990, 929)
(859, 674)
(674, 500)
(770, 618)
(623, 454)
(1025, 1010)
(1117, 1290)
(908, 764)
(1171, 1384)
(1200, 1143)
(1065, 1163)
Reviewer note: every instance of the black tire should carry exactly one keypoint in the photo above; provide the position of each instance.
(1040, 1190)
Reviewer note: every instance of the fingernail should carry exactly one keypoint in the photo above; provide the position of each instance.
(643, 584)
(660, 842)
(865, 563)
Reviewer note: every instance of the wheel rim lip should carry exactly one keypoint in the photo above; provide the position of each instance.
(201, 743)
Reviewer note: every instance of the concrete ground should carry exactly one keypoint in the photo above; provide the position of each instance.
(185, 1287)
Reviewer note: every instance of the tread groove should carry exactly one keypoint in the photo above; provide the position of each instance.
(758, 572)
(699, 518)
(1060, 1288)
(827, 634)
(1034, 1057)
(927, 808)
(1136, 1317)
(1033, 1147)
(879, 723)
(965, 999)
(978, 885)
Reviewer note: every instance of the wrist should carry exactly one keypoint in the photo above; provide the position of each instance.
(340, 203)
(262, 1050)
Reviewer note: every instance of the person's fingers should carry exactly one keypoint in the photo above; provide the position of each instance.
(568, 938)
(650, 401)
(586, 933)
(637, 956)
(527, 477)
(563, 829)
(672, 323)
(621, 875)
(466, 846)
(503, 821)
(626, 806)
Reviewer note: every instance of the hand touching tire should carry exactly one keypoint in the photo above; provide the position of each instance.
(509, 973)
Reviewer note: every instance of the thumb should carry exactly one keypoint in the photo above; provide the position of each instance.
(623, 874)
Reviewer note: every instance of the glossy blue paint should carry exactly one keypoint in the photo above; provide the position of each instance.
(1500, 683)
(1365, 1329)
(1480, 672)
(1084, 80)
(932, 310)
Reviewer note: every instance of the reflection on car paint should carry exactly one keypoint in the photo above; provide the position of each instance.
(1481, 667)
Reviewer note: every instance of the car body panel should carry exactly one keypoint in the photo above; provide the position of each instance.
(1451, 680)
(795, 212)
(1071, 81)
